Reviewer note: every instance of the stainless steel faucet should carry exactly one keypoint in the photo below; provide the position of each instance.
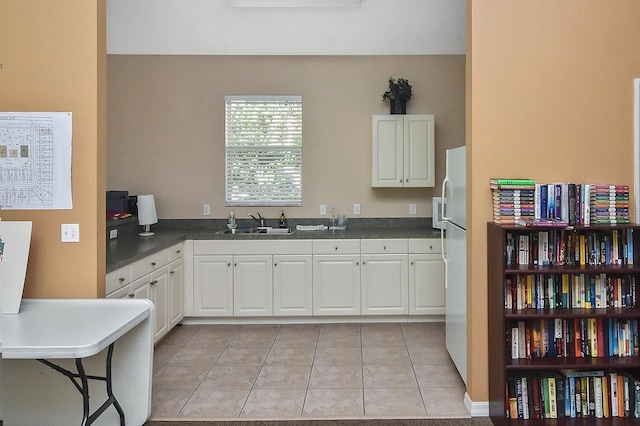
(260, 219)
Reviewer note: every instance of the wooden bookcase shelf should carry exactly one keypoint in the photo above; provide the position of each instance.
(501, 319)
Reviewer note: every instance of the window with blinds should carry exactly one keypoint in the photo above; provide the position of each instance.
(263, 137)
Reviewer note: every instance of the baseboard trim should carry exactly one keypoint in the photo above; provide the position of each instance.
(478, 408)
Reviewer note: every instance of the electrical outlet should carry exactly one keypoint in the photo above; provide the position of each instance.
(323, 209)
(356, 209)
(113, 234)
(70, 232)
(206, 210)
(412, 209)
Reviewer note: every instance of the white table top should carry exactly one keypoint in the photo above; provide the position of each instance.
(69, 328)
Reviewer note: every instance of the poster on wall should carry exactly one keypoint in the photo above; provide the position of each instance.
(15, 240)
(35, 160)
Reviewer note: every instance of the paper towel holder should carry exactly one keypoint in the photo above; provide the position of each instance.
(146, 214)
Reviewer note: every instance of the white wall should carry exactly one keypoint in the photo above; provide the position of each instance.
(213, 27)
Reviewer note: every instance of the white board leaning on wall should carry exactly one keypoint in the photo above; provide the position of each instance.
(15, 240)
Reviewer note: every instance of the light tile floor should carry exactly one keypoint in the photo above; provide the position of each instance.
(312, 371)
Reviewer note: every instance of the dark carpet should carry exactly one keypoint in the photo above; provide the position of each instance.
(475, 421)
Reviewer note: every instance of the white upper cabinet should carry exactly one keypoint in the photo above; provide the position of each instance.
(403, 150)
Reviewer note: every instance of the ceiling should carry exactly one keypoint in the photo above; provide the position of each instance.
(220, 27)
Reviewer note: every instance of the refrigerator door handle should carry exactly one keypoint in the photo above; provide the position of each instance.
(443, 253)
(444, 221)
(445, 181)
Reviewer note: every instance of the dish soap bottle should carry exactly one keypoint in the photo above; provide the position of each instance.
(232, 220)
(283, 220)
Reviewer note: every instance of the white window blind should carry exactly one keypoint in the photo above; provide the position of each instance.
(263, 137)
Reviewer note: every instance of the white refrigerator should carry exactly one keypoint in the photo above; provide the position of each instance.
(454, 252)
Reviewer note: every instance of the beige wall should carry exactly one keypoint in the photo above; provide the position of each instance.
(53, 58)
(166, 126)
(550, 98)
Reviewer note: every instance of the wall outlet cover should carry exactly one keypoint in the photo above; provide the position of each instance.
(356, 209)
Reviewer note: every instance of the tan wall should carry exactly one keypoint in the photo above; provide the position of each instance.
(166, 126)
(54, 59)
(550, 97)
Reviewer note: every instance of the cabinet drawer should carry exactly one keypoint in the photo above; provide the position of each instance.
(149, 264)
(425, 245)
(336, 246)
(385, 246)
(175, 252)
(118, 278)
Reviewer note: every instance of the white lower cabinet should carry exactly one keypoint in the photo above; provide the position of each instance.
(292, 285)
(176, 292)
(153, 278)
(385, 287)
(252, 278)
(252, 285)
(327, 277)
(213, 285)
(159, 295)
(384, 282)
(139, 289)
(336, 277)
(426, 278)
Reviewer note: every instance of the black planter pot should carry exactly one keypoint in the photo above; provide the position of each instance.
(398, 106)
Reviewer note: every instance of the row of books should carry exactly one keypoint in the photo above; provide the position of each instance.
(513, 200)
(570, 291)
(568, 247)
(572, 394)
(573, 338)
(525, 202)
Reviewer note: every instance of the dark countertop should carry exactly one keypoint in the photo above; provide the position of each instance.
(129, 247)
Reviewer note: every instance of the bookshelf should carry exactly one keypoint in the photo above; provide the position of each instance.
(511, 281)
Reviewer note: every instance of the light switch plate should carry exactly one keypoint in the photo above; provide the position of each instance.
(206, 210)
(356, 209)
(412, 209)
(113, 233)
(323, 209)
(70, 232)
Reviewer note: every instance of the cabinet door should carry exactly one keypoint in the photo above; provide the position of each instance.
(426, 284)
(213, 285)
(385, 285)
(121, 293)
(176, 292)
(387, 151)
(159, 295)
(419, 151)
(140, 288)
(336, 285)
(292, 285)
(252, 285)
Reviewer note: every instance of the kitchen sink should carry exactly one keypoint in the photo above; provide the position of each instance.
(257, 231)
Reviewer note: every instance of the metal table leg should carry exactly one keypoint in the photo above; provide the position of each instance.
(83, 388)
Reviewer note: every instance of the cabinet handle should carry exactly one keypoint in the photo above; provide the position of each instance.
(177, 251)
(384, 247)
(358, 263)
(235, 264)
(400, 180)
(430, 246)
(154, 282)
(172, 272)
(121, 279)
(363, 263)
(132, 295)
(153, 263)
(228, 263)
(411, 263)
(336, 247)
(275, 264)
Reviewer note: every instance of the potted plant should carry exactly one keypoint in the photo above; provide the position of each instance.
(398, 94)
